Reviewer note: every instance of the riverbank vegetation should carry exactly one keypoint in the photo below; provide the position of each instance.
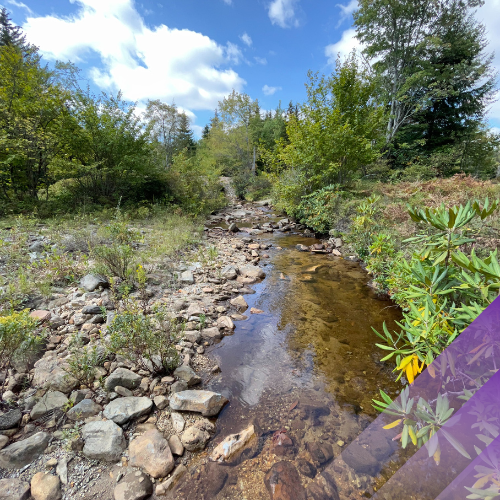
(393, 145)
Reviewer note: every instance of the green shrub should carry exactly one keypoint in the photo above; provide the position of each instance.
(146, 340)
(19, 338)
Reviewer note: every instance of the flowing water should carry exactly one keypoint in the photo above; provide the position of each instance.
(308, 365)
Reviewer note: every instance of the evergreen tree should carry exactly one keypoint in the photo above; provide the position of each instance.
(206, 131)
(184, 139)
(10, 34)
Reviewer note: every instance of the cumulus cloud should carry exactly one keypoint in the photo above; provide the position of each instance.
(282, 13)
(344, 46)
(270, 90)
(145, 63)
(245, 38)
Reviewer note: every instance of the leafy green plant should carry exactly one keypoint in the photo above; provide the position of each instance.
(146, 340)
(20, 336)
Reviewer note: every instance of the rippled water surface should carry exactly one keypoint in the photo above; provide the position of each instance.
(308, 364)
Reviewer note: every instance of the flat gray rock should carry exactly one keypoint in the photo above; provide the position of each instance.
(84, 409)
(11, 419)
(207, 403)
(21, 453)
(123, 377)
(187, 374)
(103, 441)
(14, 489)
(51, 401)
(93, 281)
(122, 410)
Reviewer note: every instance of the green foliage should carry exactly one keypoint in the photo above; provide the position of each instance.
(147, 340)
(19, 337)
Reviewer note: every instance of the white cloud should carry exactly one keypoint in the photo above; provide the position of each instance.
(270, 90)
(260, 60)
(21, 5)
(344, 46)
(282, 13)
(145, 63)
(346, 10)
(495, 130)
(228, 2)
(246, 39)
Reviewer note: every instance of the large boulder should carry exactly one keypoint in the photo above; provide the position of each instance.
(14, 489)
(50, 374)
(84, 409)
(151, 453)
(93, 281)
(51, 401)
(134, 486)
(21, 453)
(211, 333)
(122, 410)
(103, 441)
(124, 378)
(45, 486)
(207, 403)
(11, 419)
(187, 374)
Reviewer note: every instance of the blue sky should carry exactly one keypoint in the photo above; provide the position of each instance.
(193, 52)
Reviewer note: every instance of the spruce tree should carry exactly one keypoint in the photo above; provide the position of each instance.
(184, 139)
(10, 34)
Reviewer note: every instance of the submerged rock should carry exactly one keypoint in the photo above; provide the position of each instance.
(283, 482)
(235, 445)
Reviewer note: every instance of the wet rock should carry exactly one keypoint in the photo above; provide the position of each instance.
(178, 422)
(237, 446)
(11, 419)
(187, 277)
(187, 374)
(93, 281)
(240, 303)
(320, 453)
(252, 272)
(176, 446)
(51, 401)
(21, 453)
(322, 490)
(211, 333)
(84, 409)
(166, 486)
(14, 489)
(122, 410)
(124, 378)
(134, 486)
(254, 310)
(233, 228)
(207, 403)
(194, 438)
(49, 373)
(302, 248)
(45, 487)
(103, 441)
(225, 322)
(360, 459)
(379, 446)
(283, 444)
(283, 482)
(151, 452)
(306, 468)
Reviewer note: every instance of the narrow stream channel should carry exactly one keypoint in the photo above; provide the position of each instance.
(308, 365)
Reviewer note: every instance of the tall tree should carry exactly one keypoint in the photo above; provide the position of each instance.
(10, 34)
(163, 122)
(184, 138)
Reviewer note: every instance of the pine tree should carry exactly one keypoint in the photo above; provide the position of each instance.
(206, 131)
(11, 35)
(184, 139)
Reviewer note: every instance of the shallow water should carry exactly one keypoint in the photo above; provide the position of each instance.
(308, 364)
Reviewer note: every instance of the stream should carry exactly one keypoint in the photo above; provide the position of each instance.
(306, 365)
